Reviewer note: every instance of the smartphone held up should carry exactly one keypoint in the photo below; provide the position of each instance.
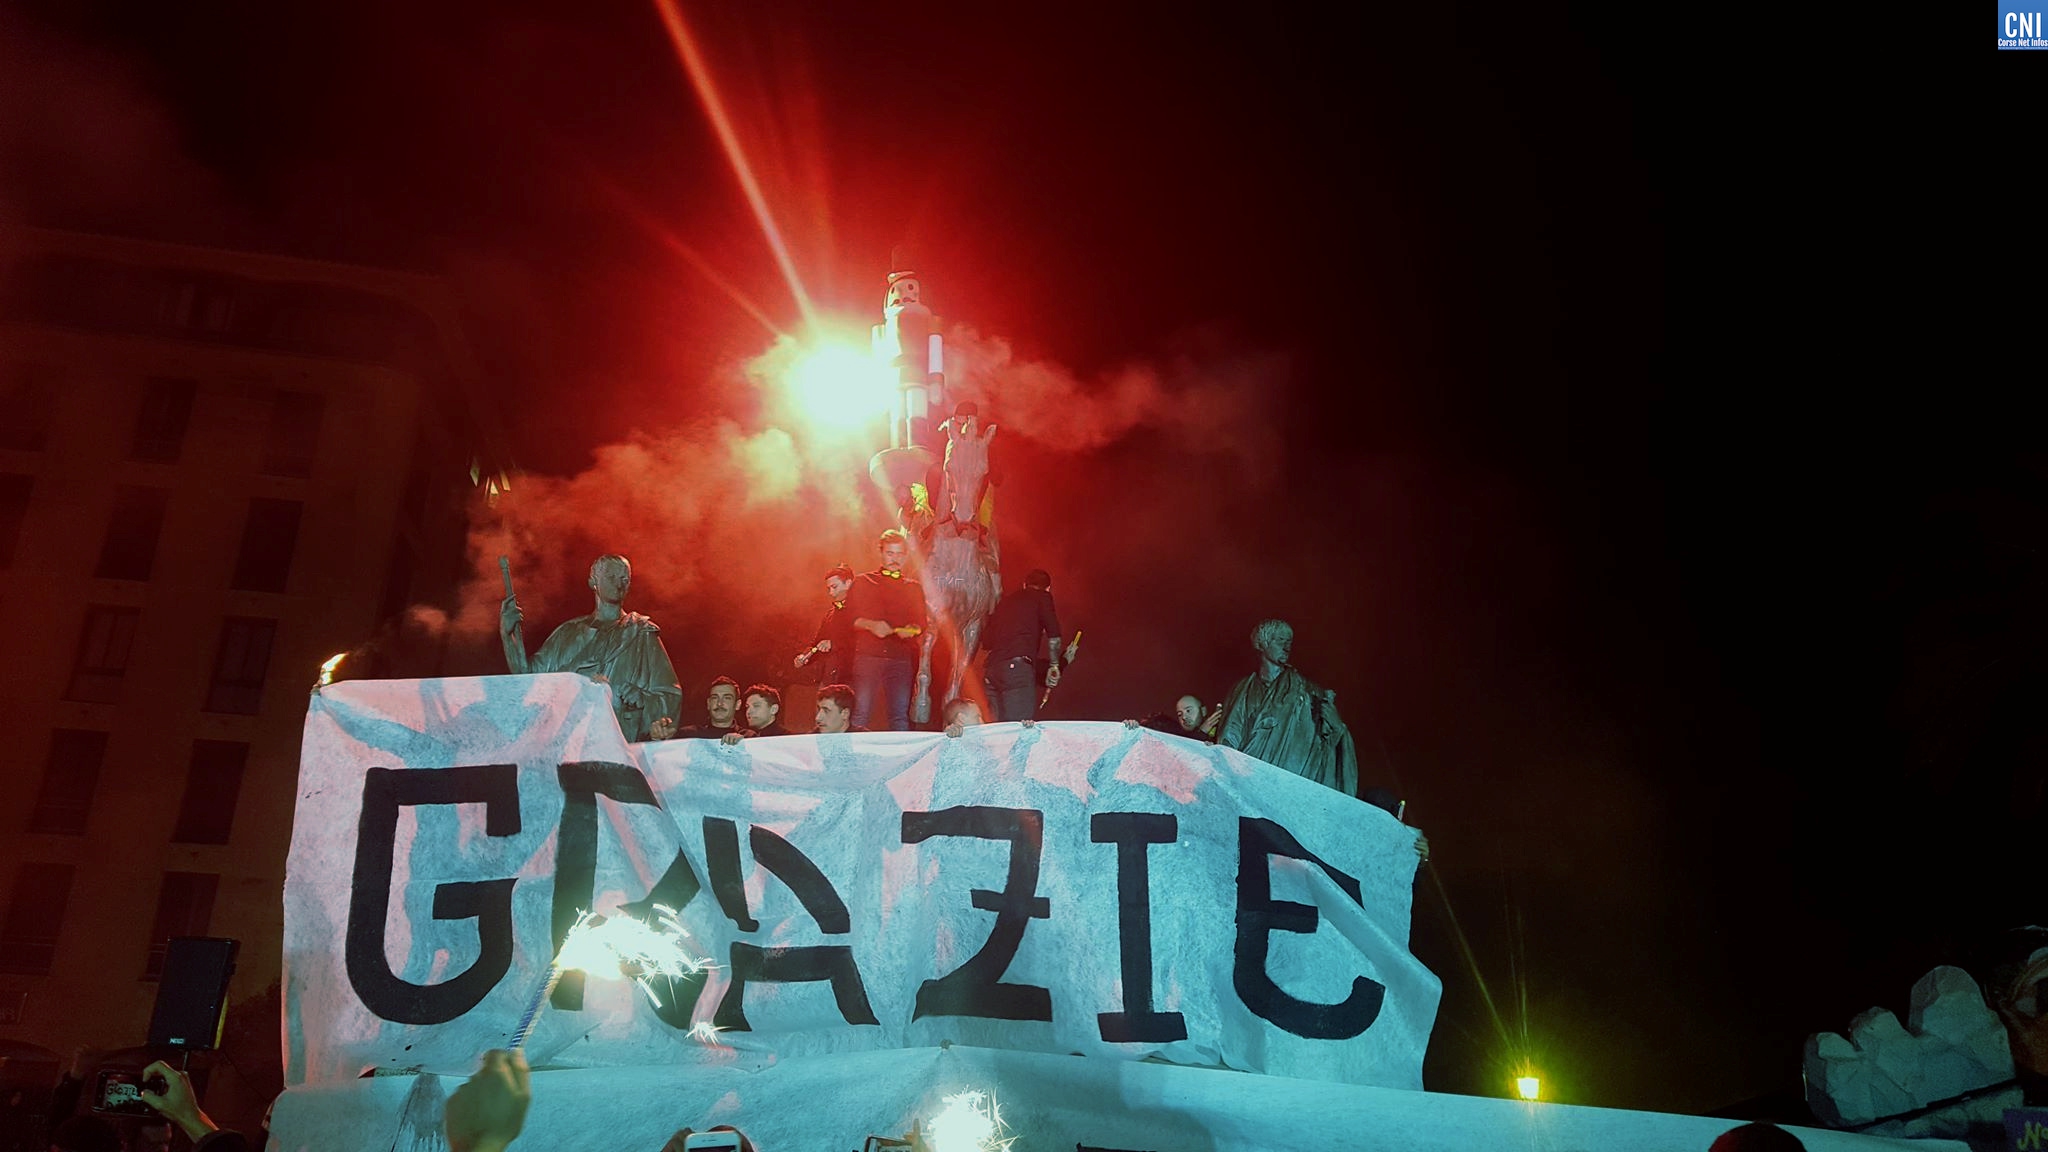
(119, 1093)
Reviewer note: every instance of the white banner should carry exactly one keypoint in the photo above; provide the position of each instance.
(832, 1103)
(1070, 888)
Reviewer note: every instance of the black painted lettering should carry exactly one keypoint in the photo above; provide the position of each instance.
(576, 876)
(751, 963)
(722, 858)
(975, 988)
(1259, 916)
(833, 962)
(1132, 832)
(488, 902)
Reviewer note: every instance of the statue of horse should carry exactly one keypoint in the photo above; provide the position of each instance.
(960, 564)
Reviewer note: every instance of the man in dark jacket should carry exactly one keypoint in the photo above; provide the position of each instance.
(830, 656)
(1021, 636)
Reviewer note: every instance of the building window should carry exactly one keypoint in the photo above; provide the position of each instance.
(35, 917)
(160, 426)
(184, 907)
(129, 550)
(26, 401)
(240, 665)
(14, 494)
(212, 786)
(104, 646)
(269, 537)
(294, 433)
(70, 777)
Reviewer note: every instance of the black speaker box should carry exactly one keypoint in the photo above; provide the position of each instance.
(192, 994)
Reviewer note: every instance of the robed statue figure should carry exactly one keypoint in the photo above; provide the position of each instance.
(612, 646)
(1285, 719)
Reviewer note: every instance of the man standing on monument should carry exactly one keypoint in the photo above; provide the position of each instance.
(831, 651)
(1285, 719)
(888, 615)
(1022, 636)
(611, 646)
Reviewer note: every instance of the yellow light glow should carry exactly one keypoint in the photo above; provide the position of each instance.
(838, 387)
(1529, 1086)
(327, 669)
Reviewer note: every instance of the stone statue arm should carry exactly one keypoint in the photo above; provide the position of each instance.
(1333, 735)
(664, 693)
(1236, 721)
(511, 631)
(1323, 706)
(653, 680)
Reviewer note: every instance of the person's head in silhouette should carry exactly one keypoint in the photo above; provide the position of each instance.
(1758, 1136)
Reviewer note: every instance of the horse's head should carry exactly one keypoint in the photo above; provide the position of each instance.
(966, 465)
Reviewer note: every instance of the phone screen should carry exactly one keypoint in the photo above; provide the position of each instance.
(120, 1093)
(712, 1142)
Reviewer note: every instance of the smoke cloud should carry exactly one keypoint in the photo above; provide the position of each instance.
(1204, 399)
(731, 521)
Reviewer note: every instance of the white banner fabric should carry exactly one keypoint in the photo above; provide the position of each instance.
(1075, 888)
(833, 1103)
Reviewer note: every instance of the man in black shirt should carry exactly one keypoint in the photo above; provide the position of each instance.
(1021, 635)
(1184, 720)
(830, 655)
(764, 711)
(888, 616)
(835, 710)
(721, 708)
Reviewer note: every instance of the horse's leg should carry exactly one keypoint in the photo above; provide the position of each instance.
(921, 701)
(970, 639)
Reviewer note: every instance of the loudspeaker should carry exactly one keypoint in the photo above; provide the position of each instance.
(192, 993)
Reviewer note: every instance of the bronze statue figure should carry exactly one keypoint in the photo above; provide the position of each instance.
(1286, 719)
(610, 645)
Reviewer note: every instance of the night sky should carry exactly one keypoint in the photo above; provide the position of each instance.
(1480, 348)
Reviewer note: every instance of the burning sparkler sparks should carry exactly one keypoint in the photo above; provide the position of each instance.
(971, 1122)
(327, 669)
(618, 947)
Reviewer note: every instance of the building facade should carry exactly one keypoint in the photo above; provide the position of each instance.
(217, 469)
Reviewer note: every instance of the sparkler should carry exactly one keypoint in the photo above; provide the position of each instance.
(618, 946)
(327, 670)
(971, 1122)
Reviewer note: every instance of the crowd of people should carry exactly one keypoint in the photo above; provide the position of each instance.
(488, 1114)
(863, 658)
